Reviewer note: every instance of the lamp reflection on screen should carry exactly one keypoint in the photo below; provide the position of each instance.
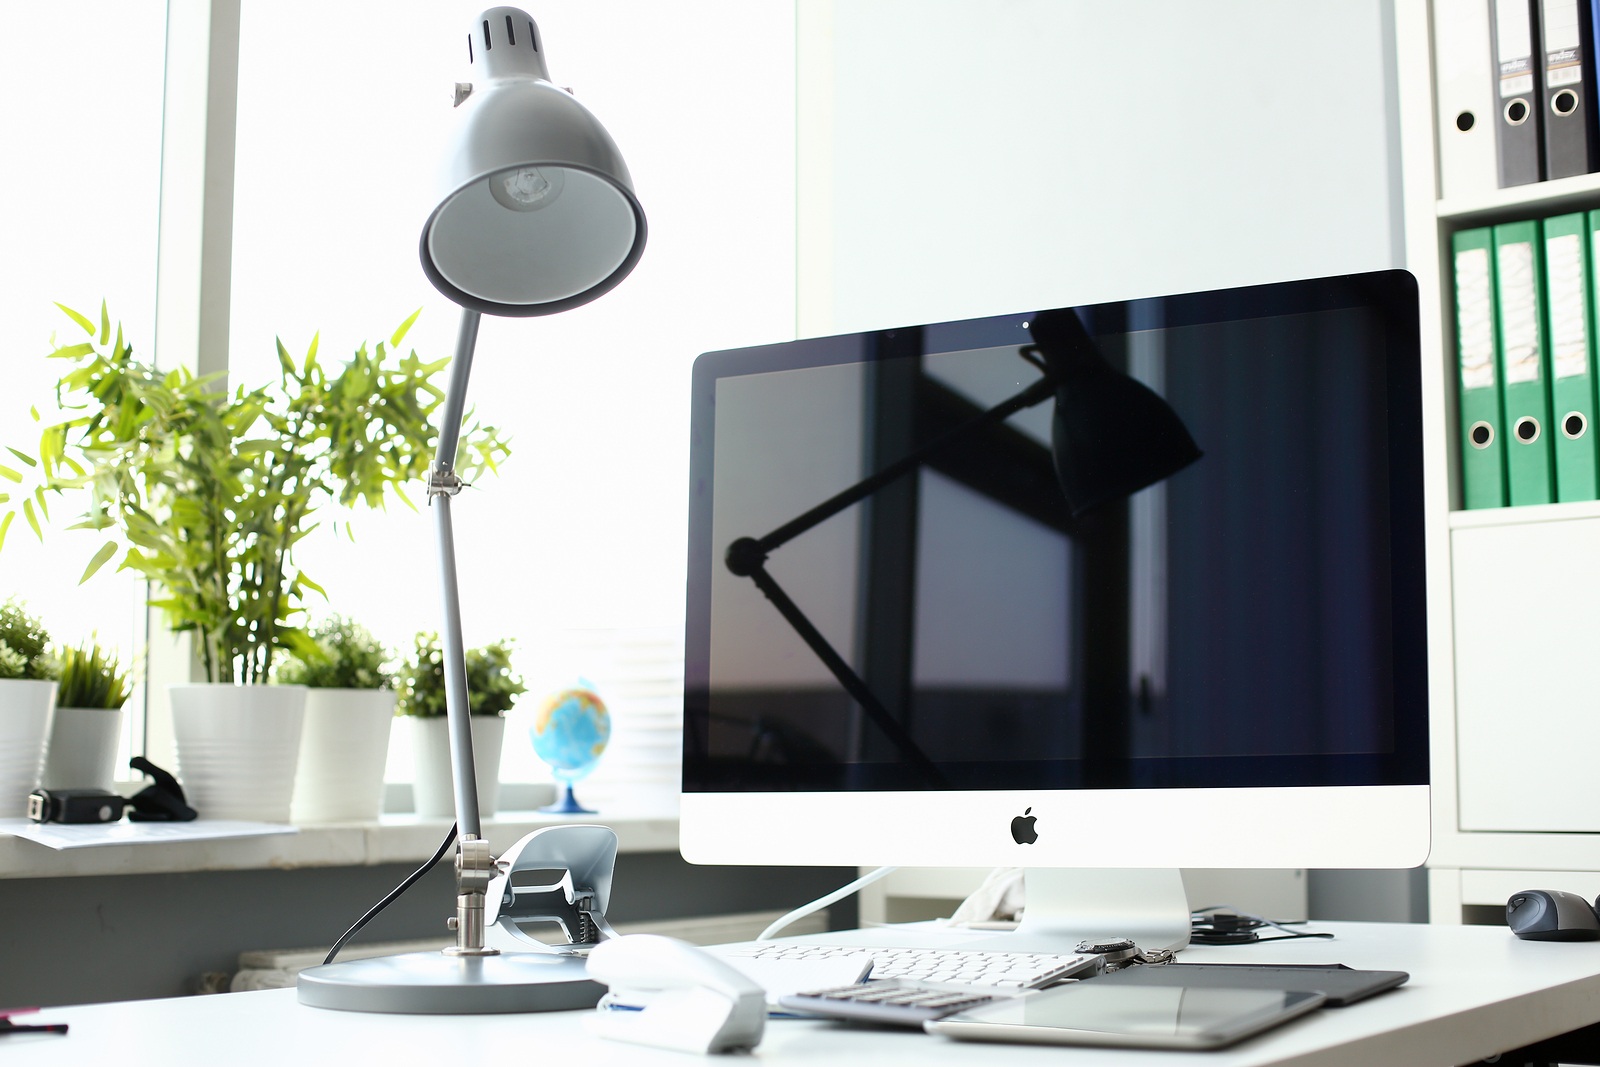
(1110, 436)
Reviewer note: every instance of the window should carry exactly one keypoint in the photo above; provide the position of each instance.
(576, 549)
(82, 183)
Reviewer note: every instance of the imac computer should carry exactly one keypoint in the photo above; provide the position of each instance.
(1091, 591)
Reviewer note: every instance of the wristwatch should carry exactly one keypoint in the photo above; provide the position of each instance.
(1116, 950)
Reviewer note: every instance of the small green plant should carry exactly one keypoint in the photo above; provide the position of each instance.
(348, 657)
(491, 686)
(91, 677)
(23, 641)
(206, 491)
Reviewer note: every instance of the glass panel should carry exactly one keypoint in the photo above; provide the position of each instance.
(344, 113)
(80, 104)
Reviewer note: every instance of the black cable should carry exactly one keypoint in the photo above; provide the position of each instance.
(1221, 924)
(394, 895)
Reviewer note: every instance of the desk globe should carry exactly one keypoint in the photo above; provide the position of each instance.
(569, 733)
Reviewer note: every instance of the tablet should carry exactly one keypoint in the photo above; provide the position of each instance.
(1170, 1017)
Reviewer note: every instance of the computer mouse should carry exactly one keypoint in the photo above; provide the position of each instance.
(1551, 915)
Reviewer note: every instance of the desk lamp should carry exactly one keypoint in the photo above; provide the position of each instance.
(1110, 436)
(538, 216)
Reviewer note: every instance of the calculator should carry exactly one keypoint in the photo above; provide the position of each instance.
(889, 1002)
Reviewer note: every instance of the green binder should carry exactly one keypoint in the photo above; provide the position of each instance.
(1570, 330)
(1483, 446)
(1524, 362)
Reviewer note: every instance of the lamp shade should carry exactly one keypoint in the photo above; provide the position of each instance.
(1110, 434)
(538, 213)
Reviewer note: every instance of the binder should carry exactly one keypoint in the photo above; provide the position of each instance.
(1483, 445)
(1464, 93)
(1570, 136)
(1519, 310)
(1517, 98)
(1568, 289)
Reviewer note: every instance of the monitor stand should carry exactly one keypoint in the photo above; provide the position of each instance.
(1065, 906)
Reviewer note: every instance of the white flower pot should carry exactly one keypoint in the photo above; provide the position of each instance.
(343, 749)
(238, 747)
(83, 748)
(432, 790)
(26, 707)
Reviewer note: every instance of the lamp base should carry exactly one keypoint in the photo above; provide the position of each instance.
(431, 983)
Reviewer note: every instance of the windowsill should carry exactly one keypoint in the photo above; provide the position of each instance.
(645, 825)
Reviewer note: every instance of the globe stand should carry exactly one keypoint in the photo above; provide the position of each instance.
(568, 805)
(569, 734)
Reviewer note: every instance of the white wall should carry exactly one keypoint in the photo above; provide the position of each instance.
(978, 157)
(966, 157)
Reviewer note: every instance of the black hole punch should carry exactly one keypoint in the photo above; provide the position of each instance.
(511, 33)
(470, 57)
(1574, 424)
(1527, 429)
(1517, 112)
(1564, 103)
(1465, 121)
(533, 37)
(1481, 435)
(488, 42)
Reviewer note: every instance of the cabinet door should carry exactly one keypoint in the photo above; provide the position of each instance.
(1527, 655)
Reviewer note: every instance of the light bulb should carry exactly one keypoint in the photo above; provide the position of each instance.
(527, 188)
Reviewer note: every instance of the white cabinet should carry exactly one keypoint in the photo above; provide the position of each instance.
(1527, 651)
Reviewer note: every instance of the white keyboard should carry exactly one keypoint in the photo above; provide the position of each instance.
(948, 967)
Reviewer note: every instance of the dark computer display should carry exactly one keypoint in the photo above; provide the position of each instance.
(1255, 618)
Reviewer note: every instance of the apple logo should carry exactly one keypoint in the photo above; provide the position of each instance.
(1022, 831)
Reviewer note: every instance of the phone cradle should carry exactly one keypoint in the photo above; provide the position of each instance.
(585, 857)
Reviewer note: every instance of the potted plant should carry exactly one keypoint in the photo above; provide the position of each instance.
(206, 491)
(492, 689)
(27, 701)
(87, 726)
(344, 744)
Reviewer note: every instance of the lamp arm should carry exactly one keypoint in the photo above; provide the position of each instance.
(455, 398)
(1035, 394)
(443, 484)
(474, 863)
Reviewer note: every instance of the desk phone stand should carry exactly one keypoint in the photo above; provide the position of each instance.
(514, 973)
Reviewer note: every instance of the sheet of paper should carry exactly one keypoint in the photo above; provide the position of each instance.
(89, 835)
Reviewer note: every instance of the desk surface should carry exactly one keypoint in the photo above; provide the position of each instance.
(1474, 991)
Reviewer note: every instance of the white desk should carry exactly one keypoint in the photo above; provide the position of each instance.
(1474, 991)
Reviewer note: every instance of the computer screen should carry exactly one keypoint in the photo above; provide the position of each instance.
(1224, 668)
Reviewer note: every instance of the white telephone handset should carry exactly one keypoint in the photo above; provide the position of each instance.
(671, 994)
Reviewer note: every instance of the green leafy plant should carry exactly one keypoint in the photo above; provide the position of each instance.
(491, 686)
(348, 657)
(23, 644)
(208, 491)
(91, 677)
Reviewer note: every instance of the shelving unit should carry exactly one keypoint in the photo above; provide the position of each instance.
(1514, 630)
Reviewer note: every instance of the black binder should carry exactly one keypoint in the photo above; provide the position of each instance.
(1567, 36)
(1517, 95)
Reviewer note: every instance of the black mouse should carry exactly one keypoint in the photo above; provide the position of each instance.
(1551, 915)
